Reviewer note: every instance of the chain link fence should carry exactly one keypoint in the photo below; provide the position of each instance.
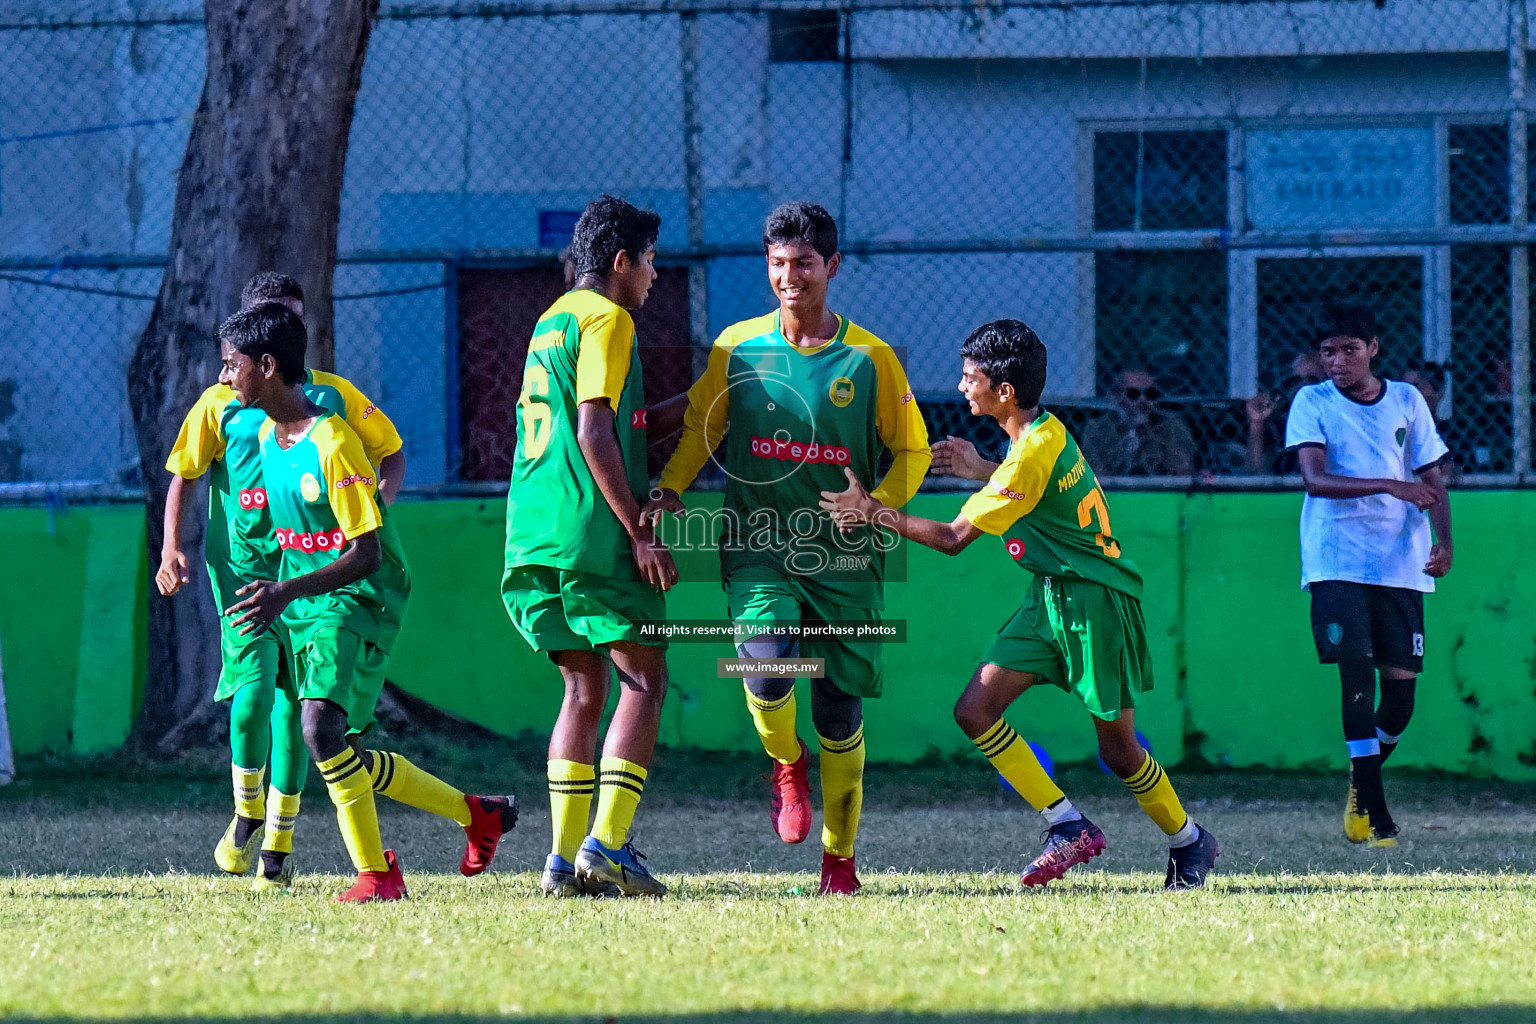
(1166, 191)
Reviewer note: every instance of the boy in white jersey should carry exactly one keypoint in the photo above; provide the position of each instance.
(1371, 462)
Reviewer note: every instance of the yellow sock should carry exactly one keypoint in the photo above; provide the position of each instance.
(623, 783)
(842, 792)
(282, 812)
(571, 785)
(1014, 761)
(403, 782)
(1155, 794)
(249, 791)
(352, 792)
(775, 721)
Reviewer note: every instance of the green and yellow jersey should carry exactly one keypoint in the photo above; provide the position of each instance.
(1047, 506)
(583, 349)
(221, 435)
(321, 492)
(792, 419)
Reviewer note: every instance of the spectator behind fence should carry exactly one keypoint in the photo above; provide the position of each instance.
(1136, 438)
(1430, 379)
(1266, 417)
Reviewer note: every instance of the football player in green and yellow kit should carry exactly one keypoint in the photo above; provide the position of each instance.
(219, 437)
(583, 577)
(340, 590)
(1080, 627)
(800, 396)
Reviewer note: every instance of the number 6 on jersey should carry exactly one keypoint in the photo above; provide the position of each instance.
(536, 413)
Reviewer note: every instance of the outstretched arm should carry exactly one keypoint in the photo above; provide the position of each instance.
(856, 505)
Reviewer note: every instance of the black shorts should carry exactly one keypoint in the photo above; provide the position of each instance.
(1359, 620)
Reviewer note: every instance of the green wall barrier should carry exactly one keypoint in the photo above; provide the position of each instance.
(72, 585)
(1237, 679)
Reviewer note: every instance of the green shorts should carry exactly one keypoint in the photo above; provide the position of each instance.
(1084, 637)
(760, 596)
(244, 659)
(337, 665)
(565, 610)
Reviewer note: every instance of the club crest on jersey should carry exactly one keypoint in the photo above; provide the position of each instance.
(1015, 548)
(841, 392)
(637, 419)
(1402, 435)
(254, 497)
(309, 487)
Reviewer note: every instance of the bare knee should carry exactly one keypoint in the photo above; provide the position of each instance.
(649, 690)
(975, 710)
(1122, 753)
(325, 729)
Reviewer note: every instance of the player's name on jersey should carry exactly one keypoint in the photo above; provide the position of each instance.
(700, 631)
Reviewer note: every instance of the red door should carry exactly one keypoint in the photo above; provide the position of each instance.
(497, 311)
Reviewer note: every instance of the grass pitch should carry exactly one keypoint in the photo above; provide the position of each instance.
(110, 908)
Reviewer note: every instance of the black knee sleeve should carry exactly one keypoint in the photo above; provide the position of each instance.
(836, 715)
(1358, 676)
(769, 645)
(1396, 706)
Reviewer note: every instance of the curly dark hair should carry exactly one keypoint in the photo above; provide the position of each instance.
(1007, 350)
(798, 222)
(608, 227)
(268, 286)
(269, 329)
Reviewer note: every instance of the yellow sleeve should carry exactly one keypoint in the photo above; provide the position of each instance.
(1015, 487)
(349, 482)
(704, 424)
(201, 441)
(603, 355)
(376, 431)
(900, 425)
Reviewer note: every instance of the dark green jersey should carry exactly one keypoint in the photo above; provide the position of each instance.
(583, 349)
(1047, 506)
(321, 491)
(793, 421)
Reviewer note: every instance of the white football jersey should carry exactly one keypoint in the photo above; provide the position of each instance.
(1378, 539)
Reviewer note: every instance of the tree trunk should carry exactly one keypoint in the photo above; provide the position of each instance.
(259, 189)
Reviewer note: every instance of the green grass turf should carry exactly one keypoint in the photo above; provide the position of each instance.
(109, 908)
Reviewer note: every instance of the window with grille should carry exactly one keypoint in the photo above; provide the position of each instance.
(1159, 181)
(803, 36)
(1478, 161)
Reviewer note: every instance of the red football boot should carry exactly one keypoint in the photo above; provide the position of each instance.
(837, 877)
(1067, 845)
(377, 886)
(789, 806)
(490, 818)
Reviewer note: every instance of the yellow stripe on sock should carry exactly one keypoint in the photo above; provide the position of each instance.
(842, 792)
(775, 723)
(1016, 762)
(1156, 796)
(623, 783)
(571, 786)
(351, 790)
(397, 778)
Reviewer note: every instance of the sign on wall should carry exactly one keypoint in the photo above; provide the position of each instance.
(1341, 178)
